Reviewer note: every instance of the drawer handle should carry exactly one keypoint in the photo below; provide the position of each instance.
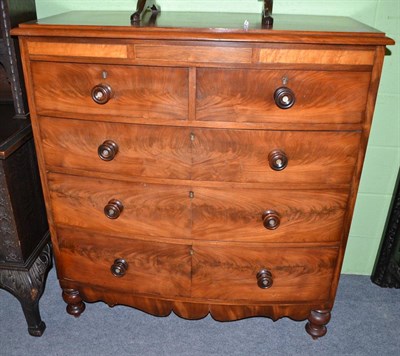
(278, 160)
(284, 98)
(119, 268)
(102, 93)
(264, 279)
(271, 220)
(113, 209)
(107, 150)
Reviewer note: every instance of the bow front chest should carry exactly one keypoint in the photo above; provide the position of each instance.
(199, 169)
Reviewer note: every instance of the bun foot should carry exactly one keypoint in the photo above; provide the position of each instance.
(75, 305)
(317, 321)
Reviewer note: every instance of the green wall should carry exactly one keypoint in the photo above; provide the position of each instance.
(383, 155)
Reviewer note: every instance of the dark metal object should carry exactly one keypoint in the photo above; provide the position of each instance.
(107, 150)
(25, 253)
(271, 220)
(267, 20)
(387, 267)
(264, 279)
(113, 209)
(278, 160)
(119, 267)
(142, 7)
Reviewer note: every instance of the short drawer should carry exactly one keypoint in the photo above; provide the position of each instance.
(229, 273)
(117, 149)
(155, 268)
(133, 91)
(263, 215)
(242, 95)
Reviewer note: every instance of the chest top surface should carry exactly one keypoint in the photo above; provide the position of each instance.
(212, 26)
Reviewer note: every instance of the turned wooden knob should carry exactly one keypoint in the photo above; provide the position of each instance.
(119, 267)
(271, 219)
(107, 150)
(113, 209)
(278, 160)
(264, 279)
(102, 93)
(284, 98)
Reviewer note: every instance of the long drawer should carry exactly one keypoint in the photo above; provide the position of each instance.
(194, 212)
(200, 154)
(204, 271)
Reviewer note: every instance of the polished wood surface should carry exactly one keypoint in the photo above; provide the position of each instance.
(200, 154)
(152, 210)
(299, 275)
(248, 95)
(144, 92)
(153, 268)
(202, 169)
(209, 26)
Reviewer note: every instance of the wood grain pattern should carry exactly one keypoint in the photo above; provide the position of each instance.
(153, 267)
(150, 210)
(212, 155)
(316, 56)
(242, 156)
(193, 111)
(78, 49)
(236, 215)
(143, 151)
(194, 54)
(212, 214)
(299, 275)
(213, 27)
(140, 92)
(248, 96)
(197, 309)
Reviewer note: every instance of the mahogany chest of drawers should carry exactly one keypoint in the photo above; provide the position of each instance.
(199, 169)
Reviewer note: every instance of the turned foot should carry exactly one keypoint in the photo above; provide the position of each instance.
(75, 305)
(317, 321)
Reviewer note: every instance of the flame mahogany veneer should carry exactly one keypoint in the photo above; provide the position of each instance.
(197, 168)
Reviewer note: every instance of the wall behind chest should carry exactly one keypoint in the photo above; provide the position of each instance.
(383, 155)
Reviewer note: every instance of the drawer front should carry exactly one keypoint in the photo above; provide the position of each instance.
(145, 151)
(240, 215)
(229, 273)
(152, 267)
(151, 210)
(211, 155)
(197, 212)
(242, 95)
(254, 156)
(136, 92)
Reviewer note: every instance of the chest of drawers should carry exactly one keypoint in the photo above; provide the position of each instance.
(197, 169)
